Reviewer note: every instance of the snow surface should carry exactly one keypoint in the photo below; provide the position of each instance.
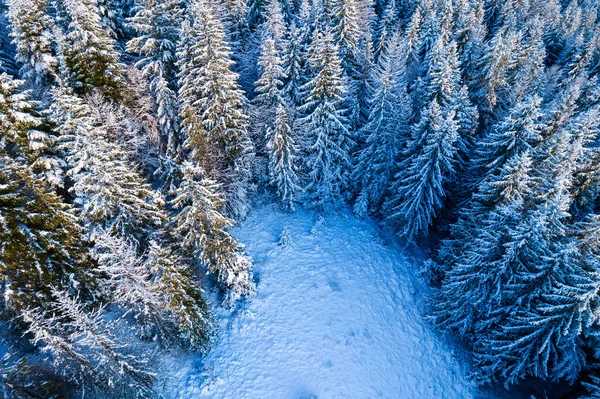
(336, 316)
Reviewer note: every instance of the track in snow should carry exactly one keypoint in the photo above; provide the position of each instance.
(335, 316)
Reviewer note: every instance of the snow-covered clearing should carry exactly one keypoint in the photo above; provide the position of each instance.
(336, 316)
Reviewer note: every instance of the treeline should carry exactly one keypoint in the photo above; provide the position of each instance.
(133, 133)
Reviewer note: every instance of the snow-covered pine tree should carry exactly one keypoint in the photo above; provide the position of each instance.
(200, 232)
(470, 33)
(256, 13)
(346, 32)
(480, 267)
(551, 303)
(294, 62)
(7, 50)
(387, 129)
(239, 31)
(213, 118)
(418, 192)
(108, 189)
(180, 295)
(520, 130)
(529, 77)
(586, 186)
(85, 350)
(593, 387)
(362, 86)
(432, 162)
(283, 160)
(156, 287)
(325, 126)
(385, 28)
(491, 82)
(268, 87)
(114, 14)
(467, 119)
(89, 52)
(157, 24)
(269, 92)
(126, 279)
(275, 26)
(32, 29)
(40, 240)
(349, 38)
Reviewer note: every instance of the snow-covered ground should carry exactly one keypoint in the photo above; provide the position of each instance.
(336, 316)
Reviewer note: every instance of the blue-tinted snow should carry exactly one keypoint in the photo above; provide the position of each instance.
(336, 316)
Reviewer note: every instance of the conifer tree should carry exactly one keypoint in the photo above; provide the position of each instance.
(200, 231)
(555, 305)
(157, 25)
(472, 286)
(326, 126)
(283, 159)
(89, 52)
(7, 63)
(491, 80)
(239, 31)
(269, 91)
(181, 296)
(32, 29)
(420, 186)
(519, 131)
(40, 238)
(385, 28)
(269, 87)
(346, 33)
(529, 75)
(275, 25)
(386, 132)
(212, 112)
(470, 33)
(108, 189)
(592, 387)
(113, 14)
(84, 349)
(294, 63)
(256, 13)
(427, 174)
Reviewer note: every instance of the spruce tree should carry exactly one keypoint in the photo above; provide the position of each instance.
(32, 30)
(346, 33)
(85, 350)
(181, 296)
(7, 50)
(429, 171)
(157, 24)
(473, 288)
(41, 242)
(283, 160)
(275, 25)
(492, 77)
(200, 231)
(385, 28)
(325, 126)
(114, 14)
(294, 62)
(89, 53)
(109, 191)
(386, 132)
(520, 130)
(420, 186)
(212, 107)
(269, 91)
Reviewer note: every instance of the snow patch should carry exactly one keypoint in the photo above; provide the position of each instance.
(336, 315)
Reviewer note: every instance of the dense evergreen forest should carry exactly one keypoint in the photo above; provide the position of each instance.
(135, 133)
